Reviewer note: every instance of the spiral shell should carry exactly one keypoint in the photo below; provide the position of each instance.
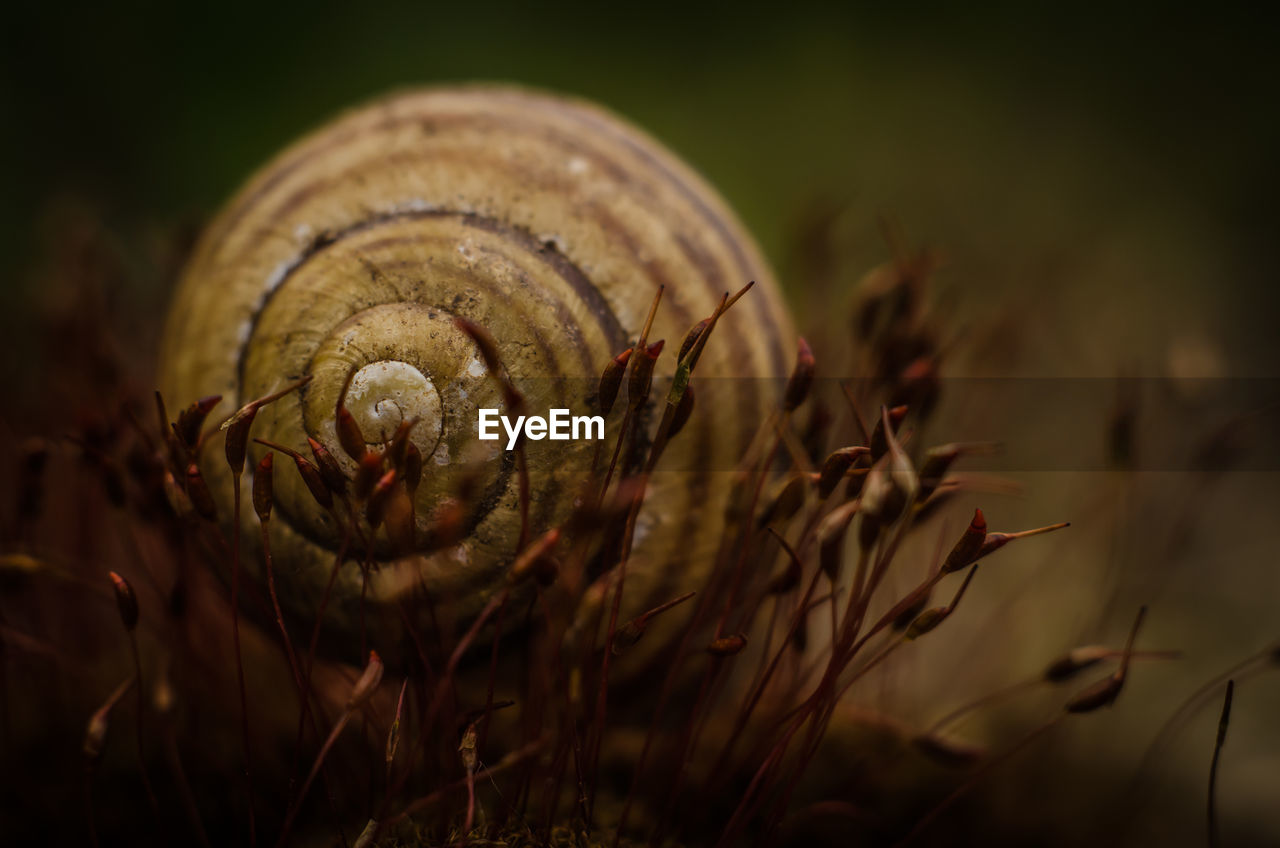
(546, 221)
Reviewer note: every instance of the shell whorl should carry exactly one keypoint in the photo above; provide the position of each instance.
(545, 220)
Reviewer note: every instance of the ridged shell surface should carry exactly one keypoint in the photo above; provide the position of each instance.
(549, 222)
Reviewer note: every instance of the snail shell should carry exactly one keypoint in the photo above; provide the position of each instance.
(547, 221)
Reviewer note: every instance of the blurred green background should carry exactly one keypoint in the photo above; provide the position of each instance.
(1127, 146)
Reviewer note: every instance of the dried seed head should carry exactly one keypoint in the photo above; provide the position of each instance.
(191, 420)
(611, 380)
(314, 482)
(1100, 694)
(198, 492)
(399, 448)
(349, 435)
(727, 646)
(947, 752)
(1075, 661)
(262, 488)
(926, 621)
(237, 440)
(691, 338)
(996, 541)
(790, 576)
(95, 736)
(630, 633)
(834, 468)
(330, 471)
(909, 615)
(1105, 691)
(830, 535)
(801, 380)
(879, 436)
(937, 462)
(642, 375)
(368, 682)
(126, 600)
(968, 546)
(786, 503)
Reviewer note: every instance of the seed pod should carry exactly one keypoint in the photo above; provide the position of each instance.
(642, 375)
(691, 338)
(611, 380)
(1075, 661)
(968, 545)
(830, 535)
(996, 541)
(314, 481)
(126, 600)
(1098, 695)
(786, 503)
(926, 621)
(727, 646)
(262, 488)
(834, 468)
(236, 444)
(937, 461)
(330, 471)
(909, 615)
(191, 419)
(879, 437)
(198, 492)
(790, 576)
(349, 435)
(368, 682)
(947, 752)
(801, 380)
(630, 633)
(95, 736)
(399, 448)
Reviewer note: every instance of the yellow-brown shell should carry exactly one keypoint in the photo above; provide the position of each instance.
(547, 221)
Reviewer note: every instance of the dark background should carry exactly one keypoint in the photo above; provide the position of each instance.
(1102, 180)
